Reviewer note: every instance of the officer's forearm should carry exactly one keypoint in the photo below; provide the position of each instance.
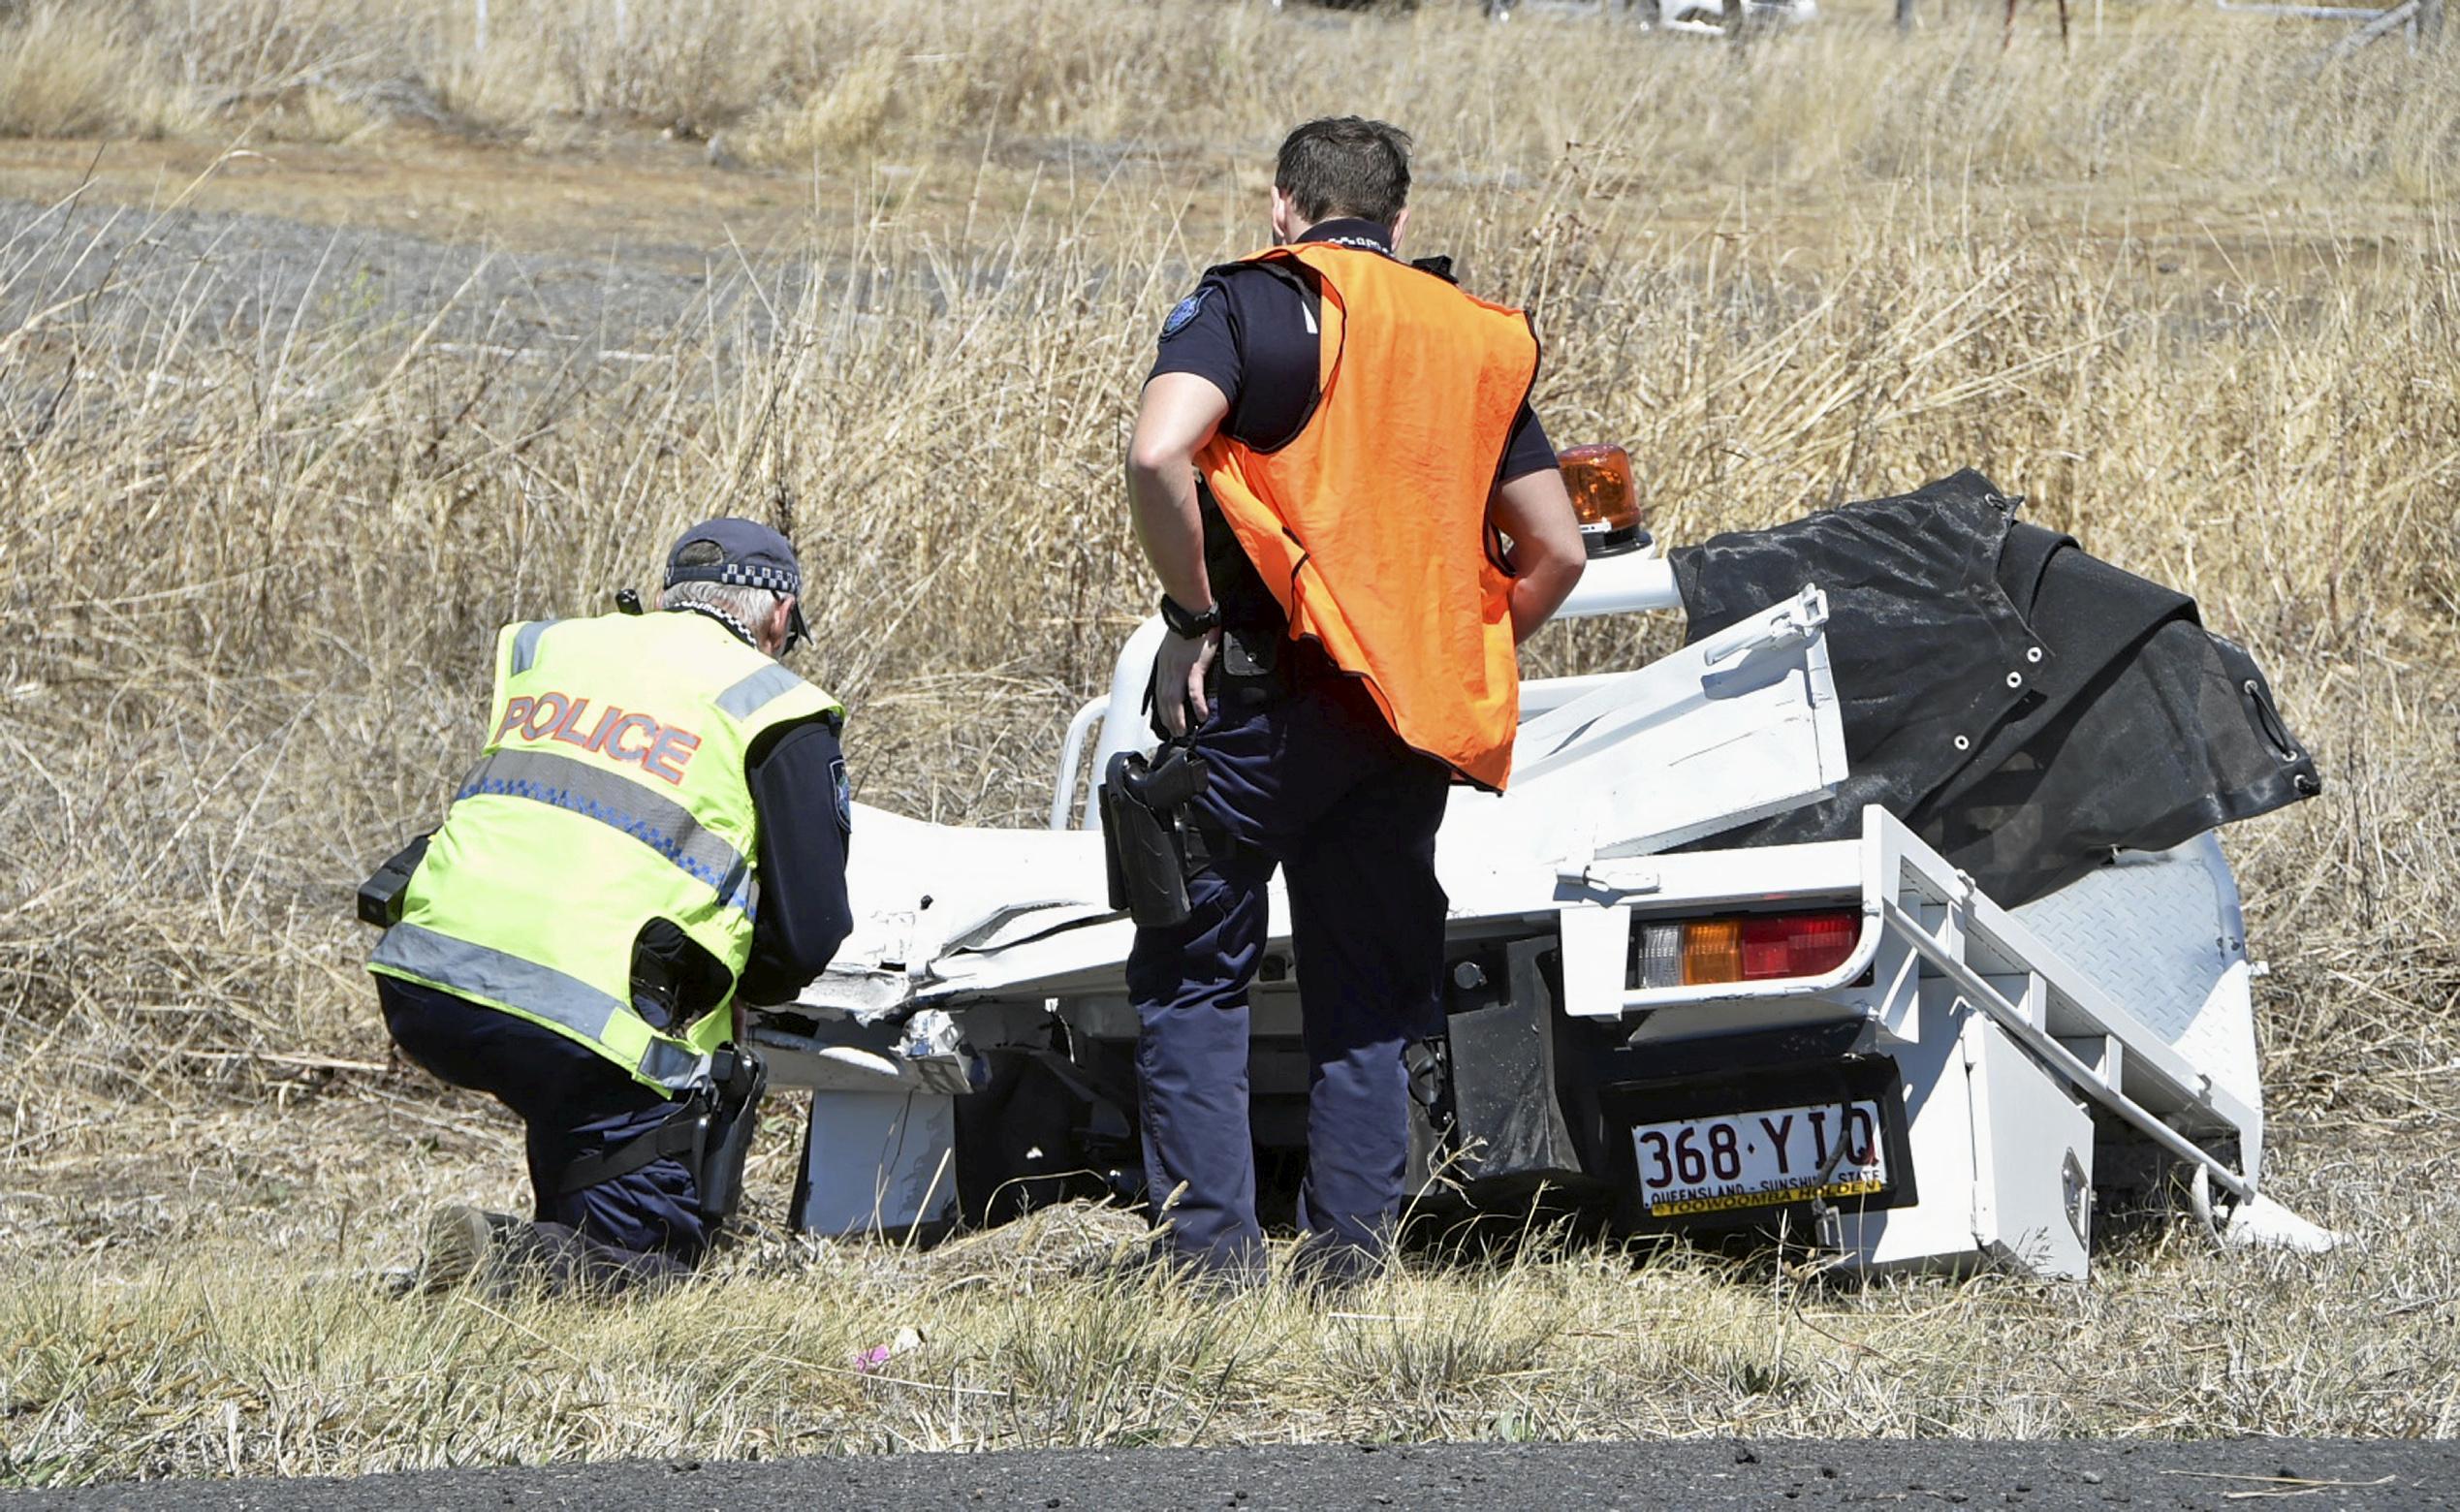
(1162, 500)
(1539, 590)
(797, 783)
(1548, 555)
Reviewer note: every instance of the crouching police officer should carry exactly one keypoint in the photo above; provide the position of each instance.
(654, 832)
(1326, 459)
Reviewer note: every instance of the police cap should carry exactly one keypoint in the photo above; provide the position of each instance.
(747, 555)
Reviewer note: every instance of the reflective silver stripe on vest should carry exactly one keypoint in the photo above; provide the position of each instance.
(670, 1065)
(483, 972)
(755, 692)
(662, 824)
(525, 644)
(476, 971)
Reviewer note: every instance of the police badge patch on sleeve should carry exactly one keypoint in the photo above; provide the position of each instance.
(845, 791)
(1184, 312)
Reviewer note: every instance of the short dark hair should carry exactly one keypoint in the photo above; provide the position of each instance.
(1346, 165)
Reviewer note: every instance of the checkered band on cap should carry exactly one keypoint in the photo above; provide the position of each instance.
(743, 575)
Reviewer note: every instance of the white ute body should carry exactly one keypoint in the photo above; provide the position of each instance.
(2004, 1050)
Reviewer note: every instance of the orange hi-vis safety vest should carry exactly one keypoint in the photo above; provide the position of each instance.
(1371, 525)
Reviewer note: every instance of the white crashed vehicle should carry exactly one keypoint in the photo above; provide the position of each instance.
(1847, 1038)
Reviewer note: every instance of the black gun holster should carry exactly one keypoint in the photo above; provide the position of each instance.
(710, 1129)
(1150, 845)
(742, 1080)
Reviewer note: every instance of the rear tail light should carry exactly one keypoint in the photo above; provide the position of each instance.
(1599, 478)
(1750, 948)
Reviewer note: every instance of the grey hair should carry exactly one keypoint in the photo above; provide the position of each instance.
(747, 607)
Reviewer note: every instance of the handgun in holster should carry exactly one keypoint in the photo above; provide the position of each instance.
(1147, 838)
(738, 1080)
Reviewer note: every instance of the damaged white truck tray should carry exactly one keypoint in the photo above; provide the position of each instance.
(1846, 1034)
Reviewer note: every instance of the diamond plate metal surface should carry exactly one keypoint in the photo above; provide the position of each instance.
(2160, 932)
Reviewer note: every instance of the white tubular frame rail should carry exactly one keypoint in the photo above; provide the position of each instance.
(1072, 764)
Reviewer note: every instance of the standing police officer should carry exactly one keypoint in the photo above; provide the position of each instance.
(1327, 461)
(655, 832)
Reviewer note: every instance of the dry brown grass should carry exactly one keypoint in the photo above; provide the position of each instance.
(70, 70)
(2162, 94)
(2197, 302)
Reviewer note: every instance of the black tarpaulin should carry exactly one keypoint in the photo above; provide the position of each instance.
(2025, 708)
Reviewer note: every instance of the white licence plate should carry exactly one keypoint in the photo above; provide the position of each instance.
(1761, 1159)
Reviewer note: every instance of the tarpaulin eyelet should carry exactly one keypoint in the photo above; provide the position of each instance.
(2033, 653)
(2015, 680)
(1962, 744)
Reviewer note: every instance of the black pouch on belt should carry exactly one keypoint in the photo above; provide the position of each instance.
(1146, 834)
(380, 896)
(1252, 674)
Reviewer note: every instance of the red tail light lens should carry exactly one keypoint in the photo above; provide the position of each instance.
(1798, 945)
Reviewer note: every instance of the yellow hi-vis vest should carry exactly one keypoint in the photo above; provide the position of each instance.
(611, 793)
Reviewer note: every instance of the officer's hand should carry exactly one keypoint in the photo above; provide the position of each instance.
(1179, 670)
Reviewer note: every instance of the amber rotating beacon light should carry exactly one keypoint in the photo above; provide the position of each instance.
(1599, 480)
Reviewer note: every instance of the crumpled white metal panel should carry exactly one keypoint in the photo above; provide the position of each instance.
(921, 891)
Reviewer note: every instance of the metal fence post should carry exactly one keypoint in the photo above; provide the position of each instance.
(1905, 14)
(480, 48)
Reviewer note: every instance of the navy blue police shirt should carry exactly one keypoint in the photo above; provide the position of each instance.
(1254, 335)
(800, 793)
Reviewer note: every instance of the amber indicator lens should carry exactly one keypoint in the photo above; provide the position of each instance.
(1712, 951)
(1599, 478)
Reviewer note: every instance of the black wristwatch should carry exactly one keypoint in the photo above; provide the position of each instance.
(1186, 624)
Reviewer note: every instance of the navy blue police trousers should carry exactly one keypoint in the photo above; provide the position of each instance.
(1315, 783)
(639, 1228)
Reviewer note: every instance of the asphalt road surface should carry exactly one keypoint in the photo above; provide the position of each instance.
(1558, 1477)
